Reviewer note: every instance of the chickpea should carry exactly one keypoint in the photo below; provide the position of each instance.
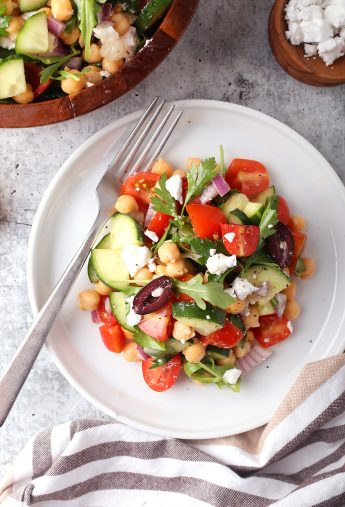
(161, 166)
(179, 172)
(8, 4)
(143, 274)
(298, 223)
(250, 336)
(25, 97)
(192, 161)
(181, 332)
(194, 353)
(292, 310)
(310, 267)
(71, 85)
(102, 289)
(126, 204)
(290, 291)
(161, 270)
(94, 54)
(112, 66)
(176, 269)
(252, 320)
(128, 334)
(241, 352)
(89, 299)
(230, 360)
(131, 352)
(236, 307)
(70, 38)
(168, 252)
(62, 10)
(117, 8)
(92, 74)
(14, 26)
(121, 23)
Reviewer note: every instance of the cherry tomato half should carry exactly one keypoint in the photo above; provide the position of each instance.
(159, 223)
(248, 176)
(139, 186)
(245, 241)
(102, 314)
(206, 220)
(163, 377)
(283, 211)
(272, 330)
(225, 338)
(113, 337)
(33, 75)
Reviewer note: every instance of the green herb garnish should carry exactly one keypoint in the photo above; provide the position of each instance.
(87, 15)
(211, 292)
(269, 219)
(199, 177)
(208, 372)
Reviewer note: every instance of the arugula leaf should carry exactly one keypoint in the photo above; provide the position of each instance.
(221, 278)
(269, 219)
(207, 372)
(300, 267)
(87, 15)
(202, 248)
(159, 361)
(212, 292)
(54, 63)
(199, 177)
(259, 258)
(146, 342)
(4, 22)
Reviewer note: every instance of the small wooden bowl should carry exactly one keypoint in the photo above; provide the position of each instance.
(312, 71)
(141, 65)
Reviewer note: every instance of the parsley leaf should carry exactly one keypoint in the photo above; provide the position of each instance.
(4, 22)
(164, 202)
(87, 15)
(269, 219)
(212, 292)
(202, 248)
(199, 177)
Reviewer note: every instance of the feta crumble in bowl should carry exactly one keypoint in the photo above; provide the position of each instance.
(206, 288)
(57, 63)
(308, 39)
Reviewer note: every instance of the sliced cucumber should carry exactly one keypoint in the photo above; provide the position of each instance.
(30, 5)
(12, 77)
(110, 268)
(153, 10)
(125, 231)
(264, 195)
(203, 321)
(235, 201)
(254, 211)
(277, 279)
(173, 346)
(267, 309)
(217, 352)
(33, 37)
(104, 243)
(237, 216)
(120, 309)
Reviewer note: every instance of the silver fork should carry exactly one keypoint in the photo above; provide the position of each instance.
(154, 127)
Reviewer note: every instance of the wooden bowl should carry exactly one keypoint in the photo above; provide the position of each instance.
(141, 65)
(312, 71)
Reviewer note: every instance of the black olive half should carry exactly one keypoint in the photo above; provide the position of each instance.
(144, 302)
(281, 245)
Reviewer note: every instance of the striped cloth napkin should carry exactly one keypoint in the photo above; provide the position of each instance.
(298, 459)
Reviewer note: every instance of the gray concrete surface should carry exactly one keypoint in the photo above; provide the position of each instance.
(224, 55)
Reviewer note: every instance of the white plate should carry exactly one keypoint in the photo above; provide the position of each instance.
(311, 188)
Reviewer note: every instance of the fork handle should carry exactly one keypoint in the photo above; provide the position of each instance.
(19, 369)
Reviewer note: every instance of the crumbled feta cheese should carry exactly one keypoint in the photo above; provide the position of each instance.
(135, 257)
(208, 317)
(151, 265)
(213, 251)
(105, 73)
(320, 24)
(289, 326)
(132, 318)
(157, 292)
(231, 292)
(152, 235)
(218, 263)
(174, 187)
(229, 236)
(231, 376)
(243, 288)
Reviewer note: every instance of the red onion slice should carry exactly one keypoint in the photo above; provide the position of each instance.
(105, 12)
(107, 306)
(208, 194)
(149, 215)
(94, 317)
(254, 357)
(55, 27)
(280, 306)
(220, 185)
(142, 353)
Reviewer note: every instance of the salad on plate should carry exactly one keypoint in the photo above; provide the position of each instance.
(196, 272)
(50, 48)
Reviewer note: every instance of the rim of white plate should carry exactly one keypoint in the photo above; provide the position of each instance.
(66, 167)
